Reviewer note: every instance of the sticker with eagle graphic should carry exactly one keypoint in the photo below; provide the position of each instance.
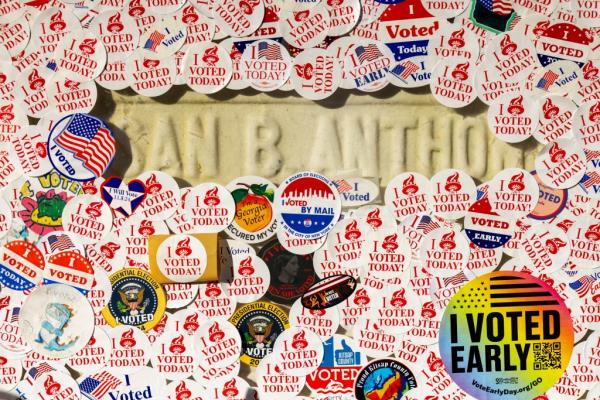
(259, 325)
(137, 300)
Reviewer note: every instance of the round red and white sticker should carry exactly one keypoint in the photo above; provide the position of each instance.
(94, 356)
(21, 265)
(207, 67)
(344, 15)
(512, 117)
(163, 7)
(163, 196)
(490, 85)
(174, 356)
(134, 235)
(408, 194)
(214, 300)
(251, 279)
(452, 193)
(88, 218)
(559, 78)
(66, 97)
(11, 339)
(69, 268)
(513, 56)
(237, 81)
(513, 193)
(131, 349)
(317, 74)
(266, 65)
(238, 19)
(546, 247)
(444, 252)
(374, 340)
(31, 92)
(200, 28)
(452, 41)
(297, 245)
(229, 388)
(561, 164)
(564, 41)
(453, 82)
(395, 311)
(56, 385)
(80, 56)
(118, 33)
(113, 77)
(323, 322)
(163, 38)
(345, 242)
(50, 27)
(99, 294)
(482, 260)
(586, 125)
(588, 83)
(11, 373)
(385, 254)
(274, 383)
(181, 258)
(445, 9)
(485, 228)
(375, 217)
(305, 28)
(150, 76)
(325, 266)
(188, 321)
(180, 294)
(210, 208)
(107, 255)
(218, 343)
(585, 246)
(185, 389)
(207, 375)
(555, 118)
(298, 351)
(367, 64)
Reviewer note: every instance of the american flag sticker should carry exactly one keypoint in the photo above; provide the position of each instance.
(81, 147)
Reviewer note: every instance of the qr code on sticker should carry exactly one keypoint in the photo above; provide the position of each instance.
(546, 355)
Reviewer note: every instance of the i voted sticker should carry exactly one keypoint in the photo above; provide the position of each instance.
(163, 38)
(173, 356)
(88, 218)
(80, 56)
(453, 83)
(210, 208)
(408, 194)
(266, 65)
(513, 117)
(21, 265)
(207, 67)
(307, 205)
(452, 192)
(555, 118)
(513, 192)
(561, 164)
(485, 227)
(69, 268)
(181, 258)
(444, 252)
(316, 75)
(298, 351)
(81, 147)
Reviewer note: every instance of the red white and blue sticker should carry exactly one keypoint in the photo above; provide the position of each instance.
(308, 205)
(485, 227)
(121, 196)
(21, 265)
(69, 268)
(81, 147)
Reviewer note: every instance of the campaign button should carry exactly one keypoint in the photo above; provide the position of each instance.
(137, 300)
(81, 147)
(21, 265)
(259, 324)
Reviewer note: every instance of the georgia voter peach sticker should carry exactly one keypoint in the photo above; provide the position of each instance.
(452, 193)
(181, 258)
(453, 82)
(561, 164)
(513, 117)
(210, 208)
(207, 67)
(408, 194)
(516, 336)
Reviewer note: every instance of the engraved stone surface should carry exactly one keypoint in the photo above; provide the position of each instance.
(200, 138)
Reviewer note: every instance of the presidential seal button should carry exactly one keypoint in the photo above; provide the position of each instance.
(81, 147)
(56, 321)
(291, 274)
(258, 324)
(21, 265)
(137, 300)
